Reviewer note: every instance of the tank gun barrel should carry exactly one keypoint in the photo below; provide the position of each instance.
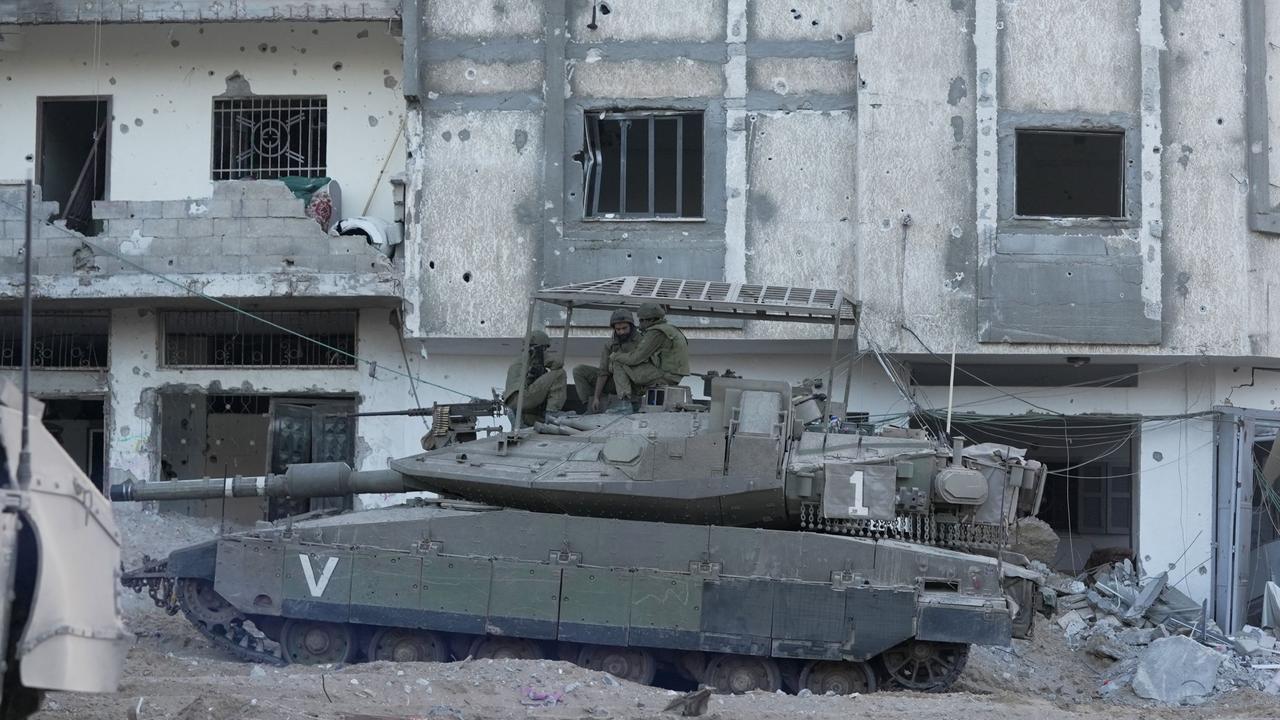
(306, 480)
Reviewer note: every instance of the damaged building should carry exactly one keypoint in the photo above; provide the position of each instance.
(196, 214)
(1073, 198)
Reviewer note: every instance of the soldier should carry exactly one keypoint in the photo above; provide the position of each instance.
(544, 383)
(661, 357)
(593, 381)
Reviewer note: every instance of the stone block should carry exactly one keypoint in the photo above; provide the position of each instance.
(13, 229)
(291, 208)
(9, 247)
(302, 227)
(1176, 669)
(142, 209)
(223, 207)
(267, 190)
(56, 247)
(350, 245)
(228, 227)
(263, 227)
(110, 209)
(123, 227)
(157, 227)
(195, 227)
(174, 208)
(254, 207)
(52, 265)
(229, 189)
(55, 229)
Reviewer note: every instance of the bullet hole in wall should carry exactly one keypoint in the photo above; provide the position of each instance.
(432, 264)
(337, 67)
(263, 47)
(605, 9)
(466, 276)
(174, 43)
(362, 34)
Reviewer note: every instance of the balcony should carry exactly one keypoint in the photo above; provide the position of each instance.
(251, 239)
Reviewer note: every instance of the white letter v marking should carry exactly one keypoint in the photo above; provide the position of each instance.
(317, 588)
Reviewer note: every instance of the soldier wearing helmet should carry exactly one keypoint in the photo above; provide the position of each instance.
(593, 382)
(661, 357)
(544, 383)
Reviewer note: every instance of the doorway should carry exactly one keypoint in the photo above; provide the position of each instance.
(77, 425)
(72, 155)
(1091, 487)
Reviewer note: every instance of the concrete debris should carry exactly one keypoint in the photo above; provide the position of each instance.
(1072, 623)
(691, 704)
(1034, 538)
(1105, 646)
(1174, 669)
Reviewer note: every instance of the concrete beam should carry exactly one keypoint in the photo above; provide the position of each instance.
(37, 12)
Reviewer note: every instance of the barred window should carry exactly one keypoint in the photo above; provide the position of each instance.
(223, 338)
(269, 137)
(642, 165)
(75, 341)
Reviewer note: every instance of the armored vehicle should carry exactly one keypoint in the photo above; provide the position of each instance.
(751, 539)
(60, 623)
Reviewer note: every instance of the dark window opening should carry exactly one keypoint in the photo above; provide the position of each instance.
(77, 425)
(639, 165)
(1070, 174)
(218, 338)
(269, 137)
(71, 165)
(76, 341)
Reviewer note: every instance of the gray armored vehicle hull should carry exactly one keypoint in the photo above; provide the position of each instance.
(750, 540)
(735, 608)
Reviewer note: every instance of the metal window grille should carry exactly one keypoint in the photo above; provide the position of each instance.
(269, 137)
(224, 338)
(58, 341)
(642, 165)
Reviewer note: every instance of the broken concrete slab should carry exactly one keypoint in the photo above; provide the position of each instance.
(1139, 636)
(1109, 648)
(1176, 669)
(1072, 623)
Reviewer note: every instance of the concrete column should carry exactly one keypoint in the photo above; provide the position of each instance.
(133, 435)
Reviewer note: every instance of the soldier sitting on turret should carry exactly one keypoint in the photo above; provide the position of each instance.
(661, 357)
(593, 382)
(544, 383)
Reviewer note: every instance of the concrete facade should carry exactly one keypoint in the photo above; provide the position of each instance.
(865, 145)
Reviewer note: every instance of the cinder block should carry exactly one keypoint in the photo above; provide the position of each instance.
(195, 228)
(11, 265)
(350, 245)
(184, 247)
(267, 190)
(301, 227)
(253, 207)
(142, 209)
(264, 227)
(56, 247)
(156, 227)
(122, 228)
(9, 248)
(110, 209)
(229, 189)
(223, 207)
(13, 229)
(52, 265)
(228, 227)
(291, 208)
(174, 209)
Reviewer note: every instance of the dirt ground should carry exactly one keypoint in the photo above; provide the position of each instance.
(172, 672)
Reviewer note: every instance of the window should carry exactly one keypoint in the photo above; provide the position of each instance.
(1070, 174)
(1104, 499)
(76, 341)
(221, 338)
(72, 150)
(269, 137)
(642, 165)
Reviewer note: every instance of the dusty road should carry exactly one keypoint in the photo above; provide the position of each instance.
(171, 672)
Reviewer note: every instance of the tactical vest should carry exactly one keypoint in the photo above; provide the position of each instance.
(673, 358)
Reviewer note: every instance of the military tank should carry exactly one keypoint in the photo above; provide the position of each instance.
(753, 539)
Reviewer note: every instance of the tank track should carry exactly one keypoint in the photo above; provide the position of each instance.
(922, 529)
(227, 633)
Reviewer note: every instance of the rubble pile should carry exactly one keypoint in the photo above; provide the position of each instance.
(1145, 636)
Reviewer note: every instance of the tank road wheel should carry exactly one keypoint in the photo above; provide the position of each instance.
(404, 645)
(925, 666)
(308, 642)
(492, 647)
(634, 664)
(738, 674)
(201, 603)
(838, 678)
